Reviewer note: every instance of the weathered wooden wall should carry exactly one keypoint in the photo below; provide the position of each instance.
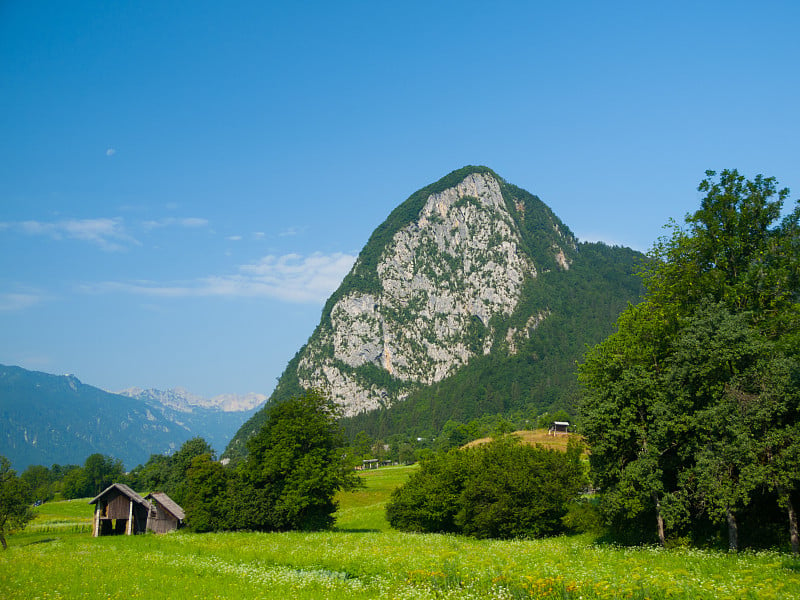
(161, 521)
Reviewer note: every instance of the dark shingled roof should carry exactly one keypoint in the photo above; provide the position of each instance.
(168, 503)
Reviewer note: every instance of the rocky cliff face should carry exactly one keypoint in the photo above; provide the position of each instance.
(443, 278)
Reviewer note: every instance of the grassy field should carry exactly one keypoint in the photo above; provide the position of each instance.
(363, 558)
(536, 437)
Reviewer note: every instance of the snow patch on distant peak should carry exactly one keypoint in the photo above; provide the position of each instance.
(182, 400)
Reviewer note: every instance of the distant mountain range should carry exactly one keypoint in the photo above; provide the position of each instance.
(472, 298)
(56, 419)
(183, 400)
(214, 419)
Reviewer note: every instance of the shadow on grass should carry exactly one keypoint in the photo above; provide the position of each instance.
(354, 530)
(792, 564)
(42, 541)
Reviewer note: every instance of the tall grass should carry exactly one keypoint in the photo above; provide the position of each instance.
(365, 559)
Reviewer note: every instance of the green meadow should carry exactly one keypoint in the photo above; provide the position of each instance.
(56, 557)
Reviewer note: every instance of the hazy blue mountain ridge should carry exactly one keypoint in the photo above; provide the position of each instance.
(56, 419)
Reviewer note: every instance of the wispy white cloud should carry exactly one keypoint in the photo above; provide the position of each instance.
(10, 301)
(108, 234)
(234, 238)
(291, 278)
(291, 231)
(110, 152)
(188, 222)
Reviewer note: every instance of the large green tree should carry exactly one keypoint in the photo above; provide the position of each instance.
(98, 472)
(15, 501)
(101, 471)
(680, 406)
(207, 503)
(40, 481)
(294, 467)
(179, 464)
(168, 473)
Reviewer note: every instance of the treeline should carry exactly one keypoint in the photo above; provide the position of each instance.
(165, 473)
(692, 407)
(408, 449)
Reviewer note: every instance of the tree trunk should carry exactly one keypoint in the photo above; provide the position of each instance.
(793, 535)
(3, 541)
(659, 521)
(733, 531)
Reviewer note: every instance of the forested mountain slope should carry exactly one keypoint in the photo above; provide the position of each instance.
(471, 298)
(57, 419)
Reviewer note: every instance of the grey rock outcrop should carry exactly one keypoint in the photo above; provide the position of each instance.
(443, 277)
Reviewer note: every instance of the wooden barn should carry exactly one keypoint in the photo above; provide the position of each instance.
(165, 515)
(558, 427)
(119, 510)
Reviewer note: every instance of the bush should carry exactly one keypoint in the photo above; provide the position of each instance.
(583, 516)
(500, 490)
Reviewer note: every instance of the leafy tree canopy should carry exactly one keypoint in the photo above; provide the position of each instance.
(504, 489)
(690, 401)
(295, 465)
(15, 501)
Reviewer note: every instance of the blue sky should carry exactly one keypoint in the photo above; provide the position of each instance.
(182, 184)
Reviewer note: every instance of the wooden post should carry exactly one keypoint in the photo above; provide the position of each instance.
(129, 525)
(96, 521)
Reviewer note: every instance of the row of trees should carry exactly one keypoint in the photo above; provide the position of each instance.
(295, 465)
(407, 449)
(72, 481)
(692, 407)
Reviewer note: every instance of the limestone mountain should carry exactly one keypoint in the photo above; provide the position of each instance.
(462, 278)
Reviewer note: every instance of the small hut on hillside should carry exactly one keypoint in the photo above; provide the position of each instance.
(558, 427)
(119, 510)
(165, 514)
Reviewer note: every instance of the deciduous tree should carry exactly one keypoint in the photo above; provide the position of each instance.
(296, 464)
(207, 503)
(15, 501)
(681, 401)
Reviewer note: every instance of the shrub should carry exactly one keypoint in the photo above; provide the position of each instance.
(500, 490)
